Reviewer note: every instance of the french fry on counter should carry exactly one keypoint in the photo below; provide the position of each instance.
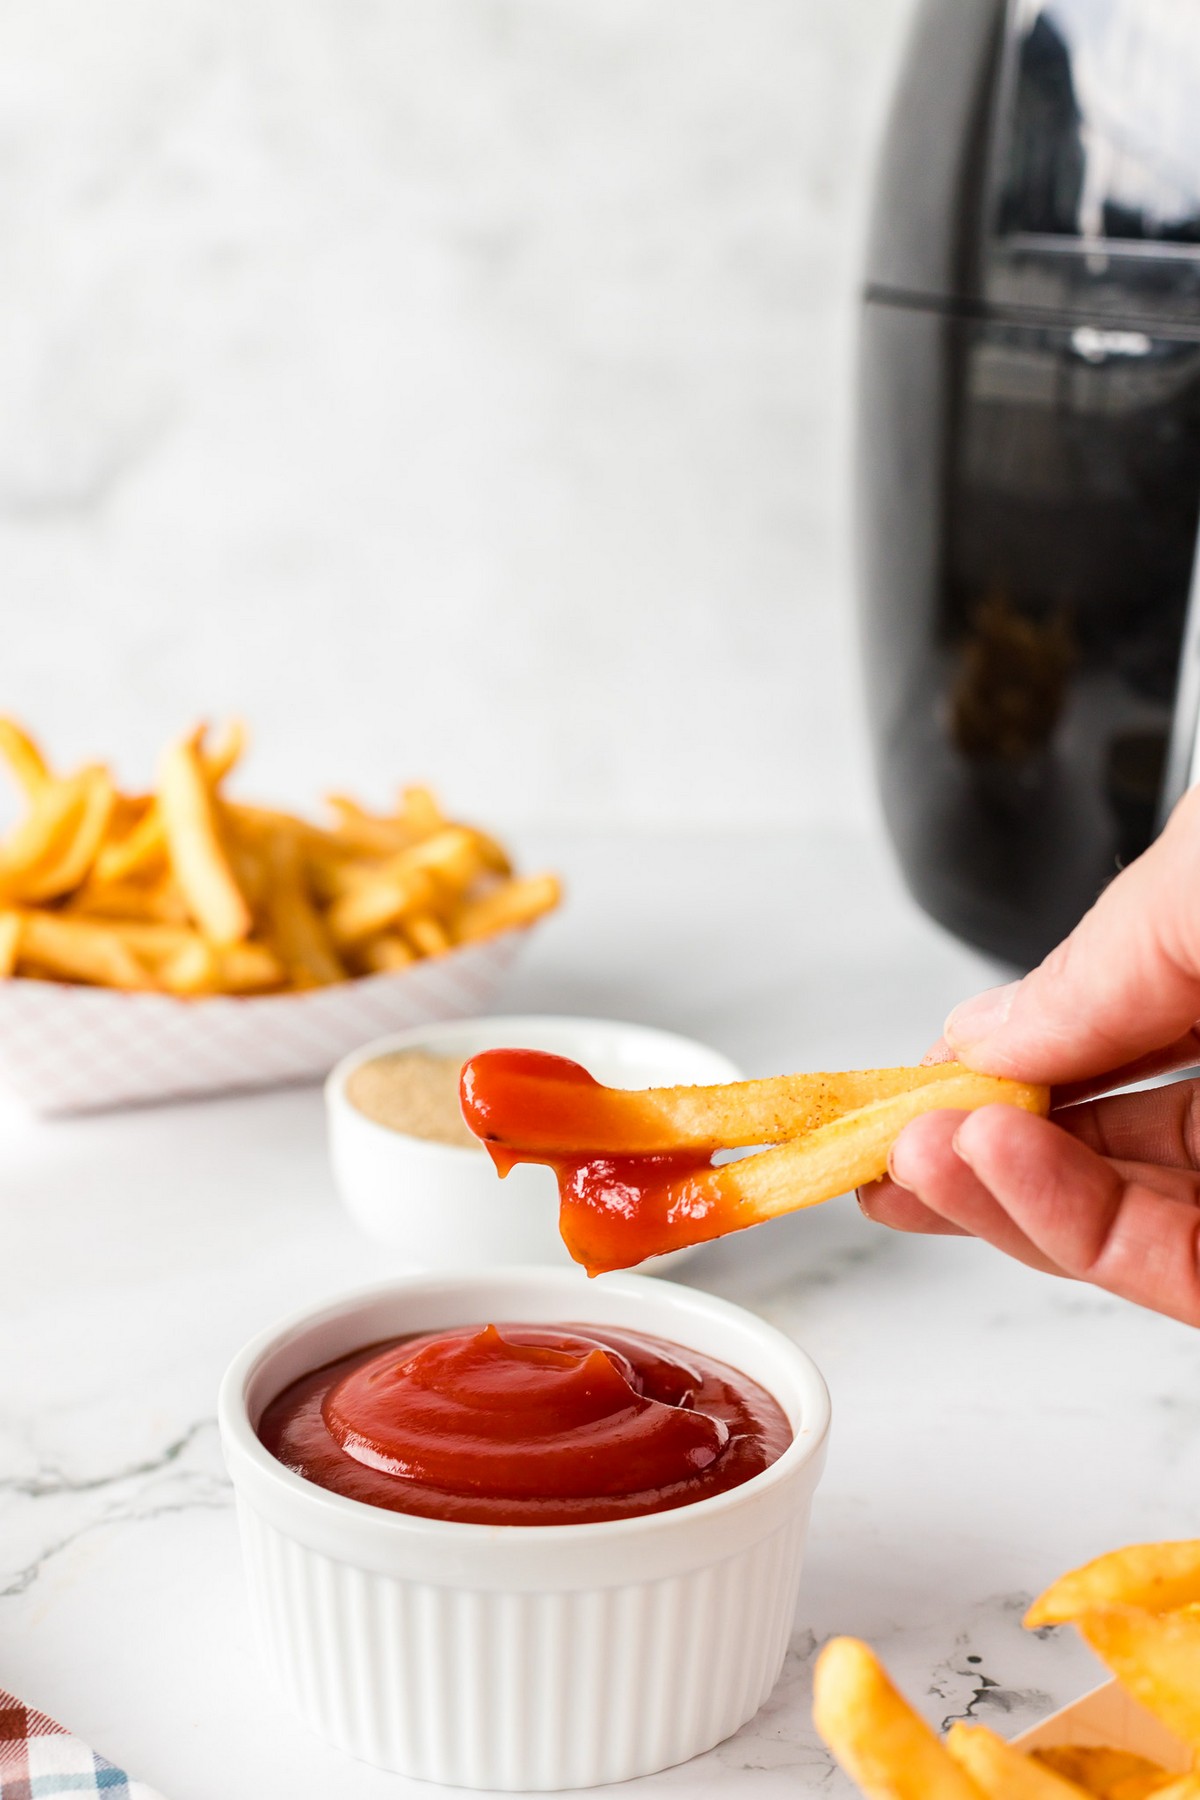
(186, 891)
(634, 1167)
(1139, 1608)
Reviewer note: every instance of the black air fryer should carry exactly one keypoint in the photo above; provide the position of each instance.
(1029, 442)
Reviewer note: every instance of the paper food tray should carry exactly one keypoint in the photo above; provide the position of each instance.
(1110, 1719)
(70, 1049)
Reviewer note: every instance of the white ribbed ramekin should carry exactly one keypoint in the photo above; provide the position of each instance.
(527, 1657)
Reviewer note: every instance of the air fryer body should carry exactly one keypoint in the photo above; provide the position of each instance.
(1029, 442)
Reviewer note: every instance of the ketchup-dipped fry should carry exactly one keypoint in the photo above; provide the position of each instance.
(619, 1206)
(535, 1101)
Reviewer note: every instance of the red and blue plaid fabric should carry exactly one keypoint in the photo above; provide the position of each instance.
(41, 1761)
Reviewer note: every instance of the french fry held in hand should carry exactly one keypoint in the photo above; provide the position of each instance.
(634, 1167)
(185, 891)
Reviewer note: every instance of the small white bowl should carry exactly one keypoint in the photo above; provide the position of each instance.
(523, 1657)
(444, 1207)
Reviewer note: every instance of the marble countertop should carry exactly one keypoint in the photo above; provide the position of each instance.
(991, 1427)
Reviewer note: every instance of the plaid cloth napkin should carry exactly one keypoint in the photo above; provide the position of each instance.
(41, 1761)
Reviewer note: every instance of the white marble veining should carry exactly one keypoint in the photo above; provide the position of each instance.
(991, 1427)
(472, 377)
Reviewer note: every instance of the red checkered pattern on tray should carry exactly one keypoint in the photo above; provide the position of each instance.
(70, 1049)
(41, 1761)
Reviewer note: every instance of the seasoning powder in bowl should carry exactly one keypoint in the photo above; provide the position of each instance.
(415, 1093)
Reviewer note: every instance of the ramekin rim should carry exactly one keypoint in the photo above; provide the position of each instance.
(235, 1427)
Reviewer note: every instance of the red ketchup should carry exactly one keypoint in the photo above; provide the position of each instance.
(526, 1425)
(614, 1210)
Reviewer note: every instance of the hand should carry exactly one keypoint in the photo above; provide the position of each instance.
(1106, 1190)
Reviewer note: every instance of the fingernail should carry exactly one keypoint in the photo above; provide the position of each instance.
(977, 1019)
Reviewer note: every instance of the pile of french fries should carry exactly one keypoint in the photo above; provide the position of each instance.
(1138, 1608)
(185, 891)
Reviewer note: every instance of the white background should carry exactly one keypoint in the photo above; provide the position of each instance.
(456, 388)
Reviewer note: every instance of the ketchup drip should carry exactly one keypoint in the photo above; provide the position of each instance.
(614, 1209)
(526, 1425)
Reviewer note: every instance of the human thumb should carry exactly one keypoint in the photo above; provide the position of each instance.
(1126, 981)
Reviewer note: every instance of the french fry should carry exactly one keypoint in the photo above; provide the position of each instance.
(420, 811)
(142, 848)
(148, 938)
(1154, 1577)
(198, 856)
(853, 1149)
(247, 858)
(453, 856)
(79, 950)
(506, 907)
(377, 901)
(41, 836)
(157, 902)
(23, 757)
(226, 752)
(1106, 1774)
(248, 969)
(1155, 1657)
(876, 1736)
(257, 823)
(1003, 1772)
(144, 845)
(190, 968)
(384, 954)
(10, 943)
(368, 833)
(63, 870)
(296, 927)
(427, 935)
(568, 1118)
(491, 853)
